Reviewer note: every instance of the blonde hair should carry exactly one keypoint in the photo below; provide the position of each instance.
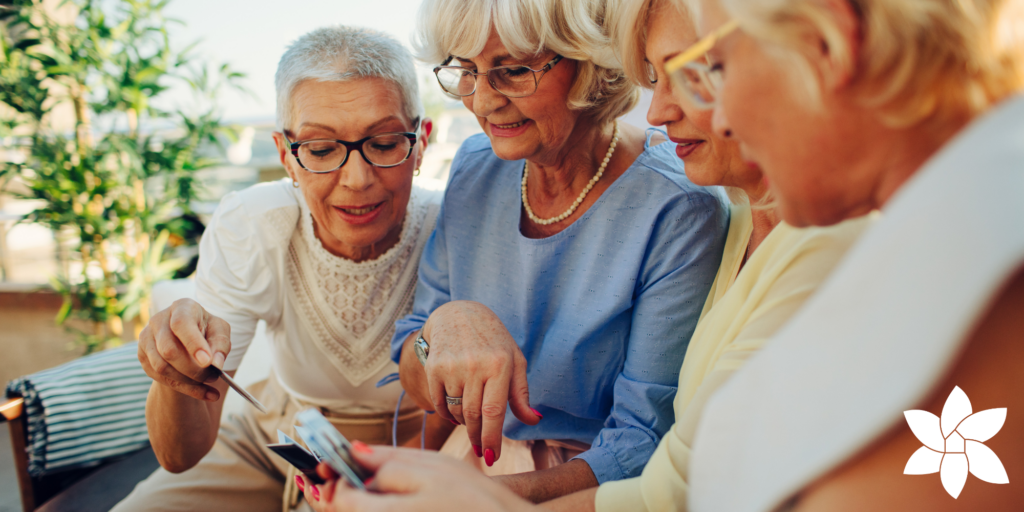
(572, 28)
(919, 59)
(627, 22)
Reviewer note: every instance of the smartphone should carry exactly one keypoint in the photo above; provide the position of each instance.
(326, 442)
(297, 456)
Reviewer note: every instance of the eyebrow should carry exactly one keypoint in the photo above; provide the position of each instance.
(376, 124)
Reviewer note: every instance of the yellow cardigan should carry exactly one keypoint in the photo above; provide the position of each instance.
(742, 311)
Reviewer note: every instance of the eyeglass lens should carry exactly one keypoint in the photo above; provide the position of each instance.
(383, 150)
(698, 83)
(511, 81)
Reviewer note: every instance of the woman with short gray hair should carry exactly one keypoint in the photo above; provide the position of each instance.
(327, 258)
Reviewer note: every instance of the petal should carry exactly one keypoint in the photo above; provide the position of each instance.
(953, 473)
(925, 426)
(923, 462)
(981, 426)
(984, 463)
(957, 407)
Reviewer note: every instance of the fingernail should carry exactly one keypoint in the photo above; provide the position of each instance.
(298, 482)
(316, 493)
(203, 358)
(368, 481)
(361, 447)
(454, 422)
(212, 396)
(476, 450)
(489, 457)
(218, 359)
(535, 411)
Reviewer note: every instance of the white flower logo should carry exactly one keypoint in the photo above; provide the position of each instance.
(952, 445)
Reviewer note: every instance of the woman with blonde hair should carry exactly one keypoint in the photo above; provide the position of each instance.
(913, 107)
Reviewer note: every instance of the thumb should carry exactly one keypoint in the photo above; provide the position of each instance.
(519, 392)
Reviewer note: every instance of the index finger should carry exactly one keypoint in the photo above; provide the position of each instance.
(492, 411)
(188, 324)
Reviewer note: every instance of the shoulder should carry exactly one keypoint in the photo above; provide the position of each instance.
(659, 173)
(472, 154)
(268, 212)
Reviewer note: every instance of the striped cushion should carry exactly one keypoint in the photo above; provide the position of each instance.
(83, 412)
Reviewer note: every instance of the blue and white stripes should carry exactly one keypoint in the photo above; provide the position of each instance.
(83, 412)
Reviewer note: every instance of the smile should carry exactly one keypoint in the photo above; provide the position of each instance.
(509, 126)
(360, 211)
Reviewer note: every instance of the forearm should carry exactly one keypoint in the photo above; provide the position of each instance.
(413, 375)
(548, 484)
(182, 430)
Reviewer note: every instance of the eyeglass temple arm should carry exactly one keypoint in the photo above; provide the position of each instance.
(700, 47)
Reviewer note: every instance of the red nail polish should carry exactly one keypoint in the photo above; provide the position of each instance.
(539, 415)
(454, 422)
(489, 457)
(298, 482)
(477, 451)
(361, 447)
(316, 493)
(368, 481)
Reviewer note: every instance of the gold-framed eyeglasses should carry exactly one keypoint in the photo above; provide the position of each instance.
(694, 81)
(321, 156)
(513, 81)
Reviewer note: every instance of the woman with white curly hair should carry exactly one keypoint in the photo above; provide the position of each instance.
(327, 258)
(571, 257)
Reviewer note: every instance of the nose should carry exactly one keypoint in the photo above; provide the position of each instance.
(720, 123)
(357, 174)
(485, 100)
(664, 107)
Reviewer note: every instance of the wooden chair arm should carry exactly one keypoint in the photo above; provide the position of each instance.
(11, 409)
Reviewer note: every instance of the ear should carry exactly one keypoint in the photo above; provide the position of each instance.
(835, 65)
(426, 128)
(283, 152)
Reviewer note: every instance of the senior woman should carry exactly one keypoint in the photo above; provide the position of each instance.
(571, 257)
(327, 258)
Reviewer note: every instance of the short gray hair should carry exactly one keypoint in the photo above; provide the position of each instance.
(340, 54)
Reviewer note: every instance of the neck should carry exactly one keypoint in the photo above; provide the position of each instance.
(358, 253)
(562, 175)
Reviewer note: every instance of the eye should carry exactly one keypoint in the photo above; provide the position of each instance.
(652, 73)
(517, 71)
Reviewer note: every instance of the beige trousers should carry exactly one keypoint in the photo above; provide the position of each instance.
(240, 473)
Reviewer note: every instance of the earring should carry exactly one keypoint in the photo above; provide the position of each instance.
(416, 172)
(295, 183)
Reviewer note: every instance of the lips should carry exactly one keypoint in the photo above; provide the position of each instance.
(359, 214)
(685, 147)
(509, 129)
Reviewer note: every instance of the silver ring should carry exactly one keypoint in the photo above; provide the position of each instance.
(453, 400)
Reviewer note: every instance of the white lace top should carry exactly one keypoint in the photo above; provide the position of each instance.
(329, 320)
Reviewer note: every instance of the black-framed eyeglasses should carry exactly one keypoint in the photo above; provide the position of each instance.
(321, 156)
(513, 81)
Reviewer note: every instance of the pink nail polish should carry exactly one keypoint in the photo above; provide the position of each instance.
(316, 493)
(361, 447)
(539, 415)
(489, 457)
(477, 451)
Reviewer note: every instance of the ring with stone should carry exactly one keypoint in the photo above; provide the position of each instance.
(453, 400)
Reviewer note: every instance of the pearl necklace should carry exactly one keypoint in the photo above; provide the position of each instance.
(583, 194)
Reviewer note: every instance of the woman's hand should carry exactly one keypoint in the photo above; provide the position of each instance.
(413, 481)
(179, 345)
(473, 356)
